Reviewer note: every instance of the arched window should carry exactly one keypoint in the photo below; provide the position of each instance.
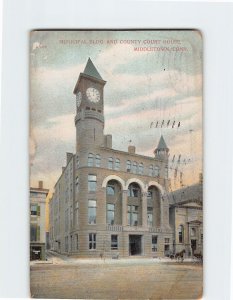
(97, 160)
(90, 161)
(110, 163)
(117, 164)
(181, 233)
(128, 166)
(151, 170)
(134, 190)
(134, 169)
(156, 172)
(140, 169)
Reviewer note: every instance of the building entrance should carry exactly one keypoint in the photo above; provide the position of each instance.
(193, 246)
(135, 244)
(35, 253)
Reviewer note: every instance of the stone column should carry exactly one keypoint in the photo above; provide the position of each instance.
(144, 209)
(186, 238)
(101, 213)
(124, 207)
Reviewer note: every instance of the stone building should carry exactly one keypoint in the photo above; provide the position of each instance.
(37, 221)
(186, 219)
(107, 201)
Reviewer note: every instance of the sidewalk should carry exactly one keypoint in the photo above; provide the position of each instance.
(56, 258)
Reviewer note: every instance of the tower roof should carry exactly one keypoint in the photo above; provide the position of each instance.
(91, 70)
(162, 144)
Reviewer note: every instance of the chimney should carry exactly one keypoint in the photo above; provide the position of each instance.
(131, 149)
(108, 141)
(40, 184)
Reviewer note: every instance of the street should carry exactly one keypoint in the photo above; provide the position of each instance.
(134, 278)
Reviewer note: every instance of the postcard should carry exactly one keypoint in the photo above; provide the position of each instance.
(116, 170)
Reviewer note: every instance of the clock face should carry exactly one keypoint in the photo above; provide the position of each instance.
(78, 99)
(93, 94)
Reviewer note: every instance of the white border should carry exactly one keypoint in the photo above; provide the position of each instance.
(215, 22)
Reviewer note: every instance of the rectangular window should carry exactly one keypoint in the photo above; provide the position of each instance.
(149, 216)
(114, 241)
(110, 213)
(33, 210)
(91, 211)
(132, 215)
(92, 240)
(33, 232)
(166, 249)
(154, 243)
(90, 160)
(91, 183)
(97, 160)
(166, 240)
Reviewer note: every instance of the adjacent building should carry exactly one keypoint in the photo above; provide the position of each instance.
(186, 219)
(37, 221)
(106, 201)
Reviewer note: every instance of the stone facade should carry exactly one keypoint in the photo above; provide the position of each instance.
(37, 221)
(186, 219)
(109, 202)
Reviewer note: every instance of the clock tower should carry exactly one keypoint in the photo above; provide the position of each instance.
(89, 119)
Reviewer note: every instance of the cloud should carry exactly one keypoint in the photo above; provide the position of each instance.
(60, 128)
(140, 88)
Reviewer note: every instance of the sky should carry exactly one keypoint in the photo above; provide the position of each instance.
(154, 88)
